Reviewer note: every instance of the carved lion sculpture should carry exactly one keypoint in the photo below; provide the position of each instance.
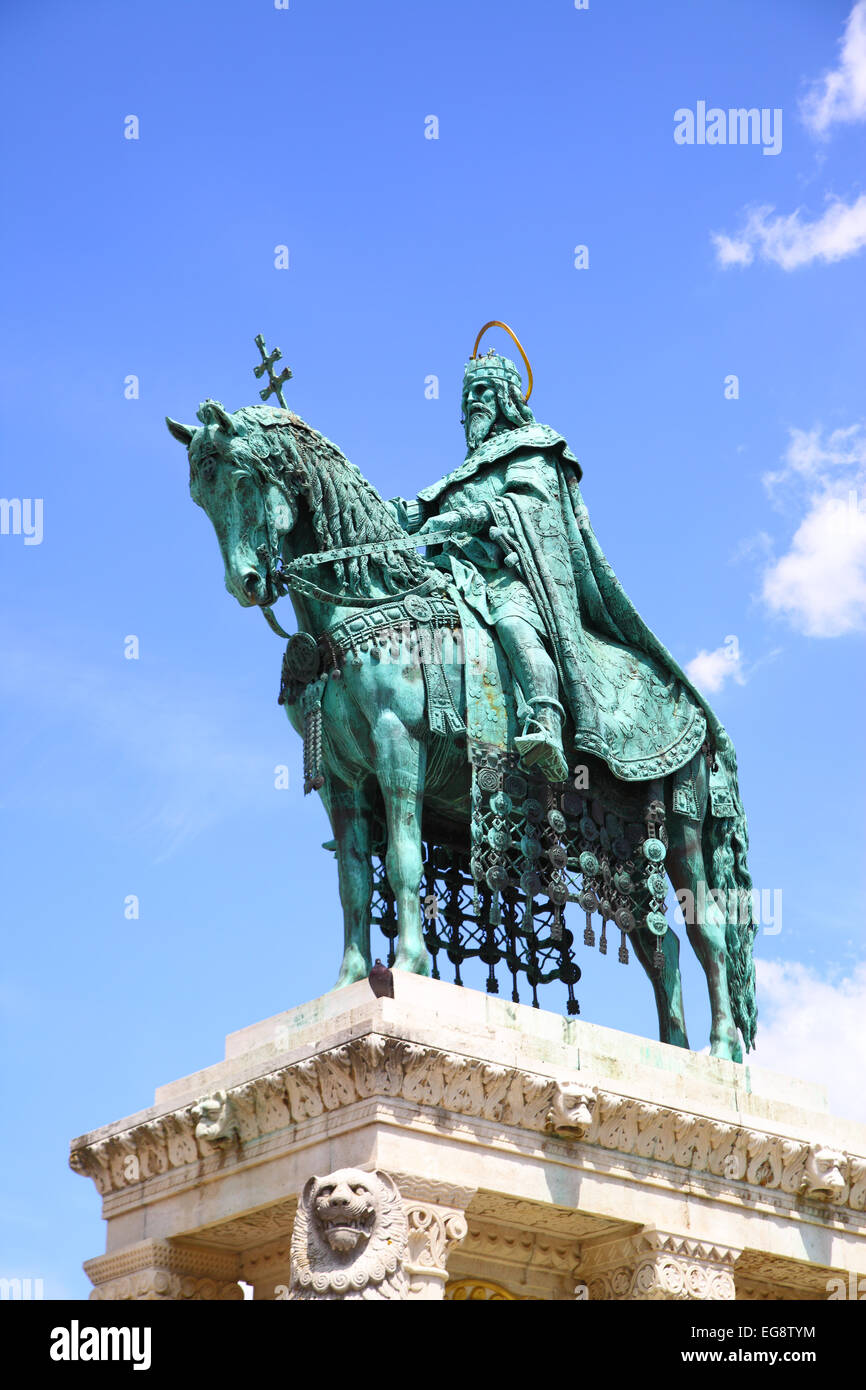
(350, 1238)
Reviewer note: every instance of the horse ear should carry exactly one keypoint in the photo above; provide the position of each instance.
(221, 415)
(227, 424)
(182, 433)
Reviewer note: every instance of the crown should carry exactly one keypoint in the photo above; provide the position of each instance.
(497, 368)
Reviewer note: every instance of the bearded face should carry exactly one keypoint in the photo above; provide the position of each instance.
(481, 411)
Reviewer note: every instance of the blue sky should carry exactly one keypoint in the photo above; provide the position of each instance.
(724, 518)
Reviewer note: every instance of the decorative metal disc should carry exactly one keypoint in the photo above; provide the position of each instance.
(530, 847)
(588, 828)
(515, 786)
(417, 608)
(588, 864)
(654, 851)
(530, 882)
(621, 848)
(302, 658)
(588, 901)
(572, 804)
(557, 892)
(497, 878)
(556, 821)
(500, 804)
(498, 838)
(657, 885)
(532, 809)
(624, 882)
(558, 857)
(476, 868)
(488, 779)
(657, 923)
(624, 919)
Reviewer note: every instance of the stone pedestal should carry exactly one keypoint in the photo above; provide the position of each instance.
(478, 1150)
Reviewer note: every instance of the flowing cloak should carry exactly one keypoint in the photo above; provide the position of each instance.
(630, 702)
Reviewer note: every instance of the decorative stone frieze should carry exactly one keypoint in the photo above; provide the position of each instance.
(228, 1122)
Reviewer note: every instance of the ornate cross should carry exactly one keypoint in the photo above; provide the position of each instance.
(275, 383)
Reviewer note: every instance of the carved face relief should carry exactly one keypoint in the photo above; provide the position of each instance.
(571, 1111)
(345, 1207)
(824, 1177)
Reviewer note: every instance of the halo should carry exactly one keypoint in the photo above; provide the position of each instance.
(497, 323)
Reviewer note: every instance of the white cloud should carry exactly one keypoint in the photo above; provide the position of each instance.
(791, 241)
(840, 95)
(812, 1028)
(819, 584)
(710, 670)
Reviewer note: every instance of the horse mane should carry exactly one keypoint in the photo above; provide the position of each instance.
(345, 508)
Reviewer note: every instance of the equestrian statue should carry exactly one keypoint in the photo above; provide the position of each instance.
(494, 731)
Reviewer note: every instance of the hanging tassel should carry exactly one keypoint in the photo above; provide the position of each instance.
(556, 924)
(311, 703)
(588, 933)
(623, 951)
(602, 945)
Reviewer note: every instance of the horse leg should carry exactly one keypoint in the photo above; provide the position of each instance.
(667, 985)
(400, 767)
(705, 921)
(349, 810)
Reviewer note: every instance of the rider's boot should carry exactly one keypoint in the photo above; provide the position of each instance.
(540, 744)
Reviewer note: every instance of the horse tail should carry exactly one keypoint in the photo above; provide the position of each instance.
(726, 847)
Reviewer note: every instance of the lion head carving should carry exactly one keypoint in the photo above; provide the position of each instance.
(350, 1238)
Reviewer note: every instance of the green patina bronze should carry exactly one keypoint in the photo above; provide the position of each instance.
(491, 720)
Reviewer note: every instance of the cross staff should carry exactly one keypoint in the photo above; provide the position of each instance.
(275, 383)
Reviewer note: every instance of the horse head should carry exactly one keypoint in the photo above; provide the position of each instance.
(238, 476)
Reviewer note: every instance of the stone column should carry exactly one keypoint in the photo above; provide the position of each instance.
(159, 1270)
(657, 1265)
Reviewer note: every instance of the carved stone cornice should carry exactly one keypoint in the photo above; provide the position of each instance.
(655, 1266)
(225, 1126)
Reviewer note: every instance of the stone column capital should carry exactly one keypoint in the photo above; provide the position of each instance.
(657, 1265)
(433, 1231)
(154, 1270)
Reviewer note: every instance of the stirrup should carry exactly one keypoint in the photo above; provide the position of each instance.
(542, 748)
(540, 701)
